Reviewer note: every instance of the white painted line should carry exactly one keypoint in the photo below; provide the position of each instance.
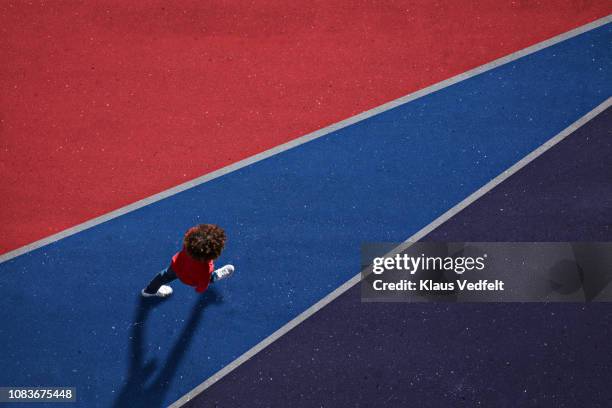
(303, 139)
(416, 237)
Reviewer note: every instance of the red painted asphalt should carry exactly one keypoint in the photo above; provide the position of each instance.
(106, 103)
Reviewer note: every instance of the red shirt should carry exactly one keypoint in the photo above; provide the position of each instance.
(192, 272)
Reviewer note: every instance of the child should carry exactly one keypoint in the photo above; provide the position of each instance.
(193, 265)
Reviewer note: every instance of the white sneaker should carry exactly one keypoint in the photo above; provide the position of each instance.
(223, 272)
(162, 292)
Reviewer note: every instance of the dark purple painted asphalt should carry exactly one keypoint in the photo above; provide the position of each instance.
(461, 355)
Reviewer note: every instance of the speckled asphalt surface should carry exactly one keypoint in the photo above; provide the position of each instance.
(108, 103)
(295, 222)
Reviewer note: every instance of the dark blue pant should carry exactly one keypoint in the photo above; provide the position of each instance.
(165, 276)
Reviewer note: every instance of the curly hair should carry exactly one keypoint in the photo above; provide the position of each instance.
(204, 242)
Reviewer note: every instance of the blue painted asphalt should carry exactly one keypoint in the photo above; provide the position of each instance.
(295, 223)
(353, 354)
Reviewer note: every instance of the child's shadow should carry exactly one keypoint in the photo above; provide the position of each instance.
(141, 388)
